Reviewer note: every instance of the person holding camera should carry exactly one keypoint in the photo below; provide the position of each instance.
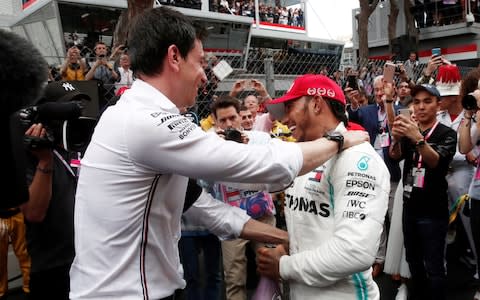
(376, 120)
(468, 141)
(261, 122)
(257, 204)
(427, 147)
(101, 69)
(49, 210)
(74, 66)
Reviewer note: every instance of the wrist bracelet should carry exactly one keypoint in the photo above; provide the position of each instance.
(420, 143)
(45, 170)
(389, 100)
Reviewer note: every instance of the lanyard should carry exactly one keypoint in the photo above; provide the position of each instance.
(64, 163)
(419, 164)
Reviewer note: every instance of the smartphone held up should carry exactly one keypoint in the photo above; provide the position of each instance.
(389, 72)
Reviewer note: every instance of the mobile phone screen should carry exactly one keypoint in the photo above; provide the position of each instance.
(388, 72)
(352, 82)
(436, 52)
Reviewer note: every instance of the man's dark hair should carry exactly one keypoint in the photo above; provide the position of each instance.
(153, 32)
(243, 107)
(338, 110)
(23, 72)
(470, 82)
(225, 102)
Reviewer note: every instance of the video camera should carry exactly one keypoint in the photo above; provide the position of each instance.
(63, 119)
(231, 134)
(469, 102)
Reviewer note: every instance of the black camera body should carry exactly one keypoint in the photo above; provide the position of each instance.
(231, 134)
(469, 102)
(52, 115)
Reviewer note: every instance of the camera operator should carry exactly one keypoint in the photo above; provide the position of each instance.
(23, 72)
(102, 70)
(468, 140)
(49, 209)
(257, 204)
(74, 66)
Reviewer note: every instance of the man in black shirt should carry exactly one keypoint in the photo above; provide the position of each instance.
(428, 148)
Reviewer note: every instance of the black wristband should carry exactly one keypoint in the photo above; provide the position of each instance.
(45, 170)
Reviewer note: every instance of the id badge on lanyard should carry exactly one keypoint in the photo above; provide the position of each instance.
(384, 139)
(418, 173)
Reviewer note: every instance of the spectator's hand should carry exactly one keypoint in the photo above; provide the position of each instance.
(388, 90)
(45, 154)
(237, 88)
(245, 138)
(432, 65)
(268, 261)
(257, 85)
(406, 127)
(354, 137)
(117, 50)
(353, 96)
(471, 158)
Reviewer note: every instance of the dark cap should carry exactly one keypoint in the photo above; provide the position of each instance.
(62, 91)
(431, 89)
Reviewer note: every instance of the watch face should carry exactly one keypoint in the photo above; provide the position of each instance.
(334, 135)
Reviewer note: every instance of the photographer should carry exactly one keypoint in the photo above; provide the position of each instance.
(49, 209)
(74, 66)
(22, 76)
(102, 70)
(257, 204)
(468, 141)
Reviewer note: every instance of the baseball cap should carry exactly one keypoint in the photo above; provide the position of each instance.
(62, 91)
(307, 85)
(448, 80)
(431, 89)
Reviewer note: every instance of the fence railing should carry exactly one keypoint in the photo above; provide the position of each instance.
(276, 70)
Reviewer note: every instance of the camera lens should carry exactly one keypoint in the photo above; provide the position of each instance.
(469, 102)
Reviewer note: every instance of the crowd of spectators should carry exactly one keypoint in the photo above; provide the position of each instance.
(267, 13)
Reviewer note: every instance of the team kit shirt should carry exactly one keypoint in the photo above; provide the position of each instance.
(131, 191)
(334, 218)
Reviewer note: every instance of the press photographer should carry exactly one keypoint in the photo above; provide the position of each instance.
(60, 112)
(52, 165)
(74, 66)
(23, 72)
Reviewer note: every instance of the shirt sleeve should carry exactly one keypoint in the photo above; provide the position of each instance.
(170, 143)
(360, 183)
(446, 147)
(223, 220)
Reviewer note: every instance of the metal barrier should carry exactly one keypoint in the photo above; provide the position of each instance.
(276, 70)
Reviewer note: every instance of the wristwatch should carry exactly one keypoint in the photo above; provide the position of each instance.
(336, 137)
(420, 143)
